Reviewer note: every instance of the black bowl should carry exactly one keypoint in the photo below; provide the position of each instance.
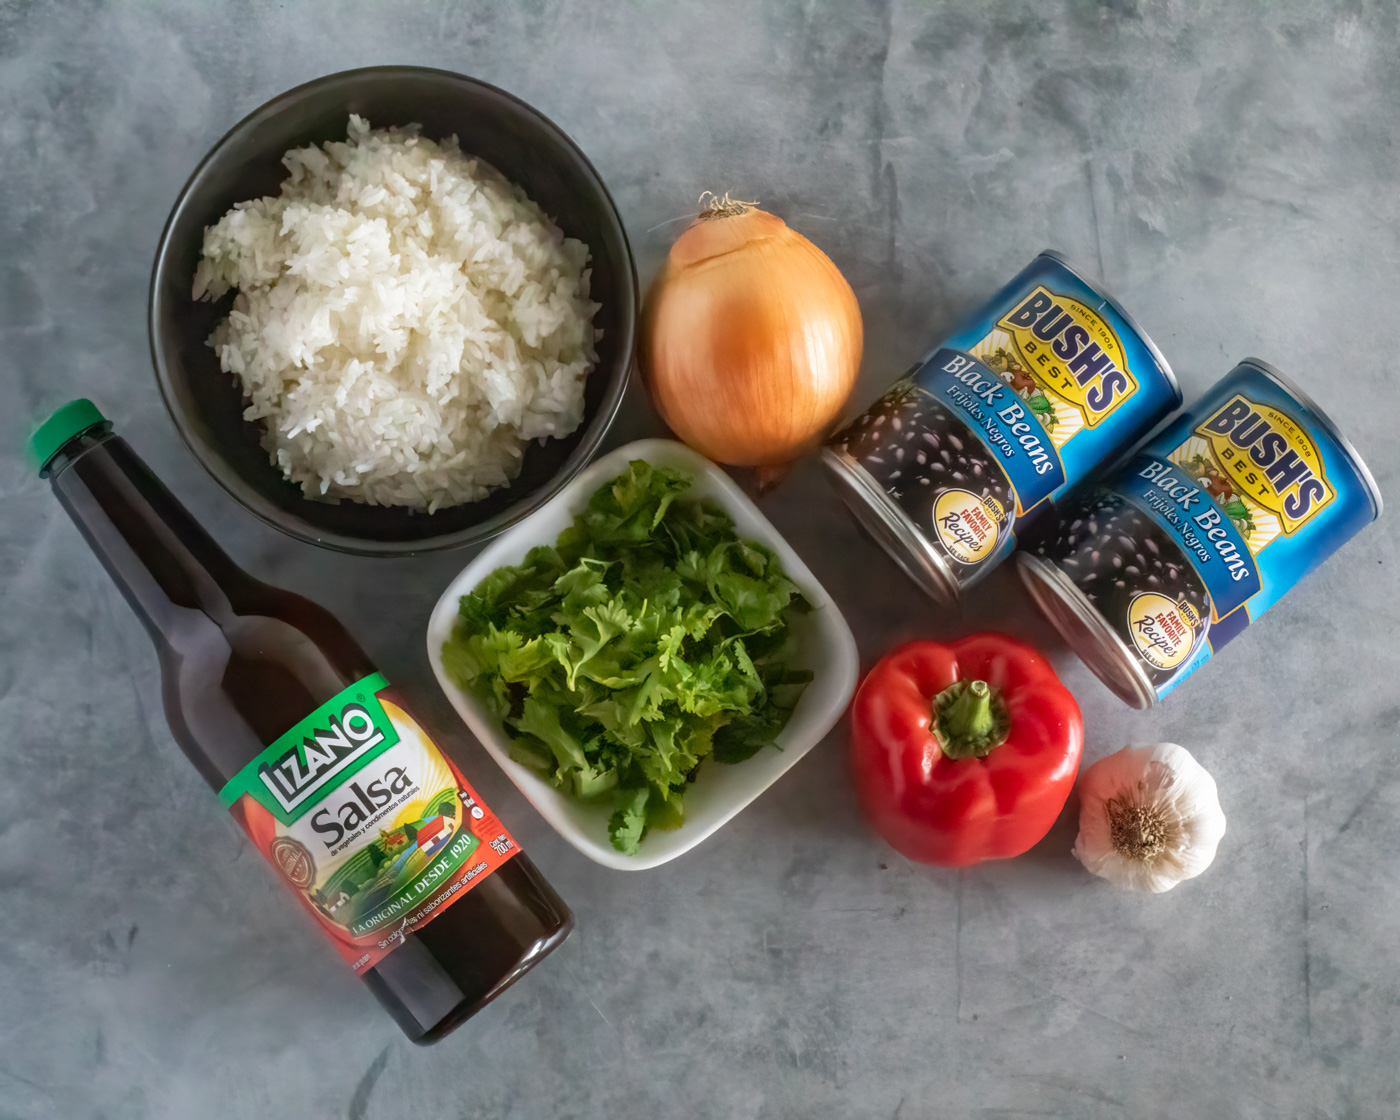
(207, 404)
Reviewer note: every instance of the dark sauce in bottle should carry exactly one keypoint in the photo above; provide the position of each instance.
(242, 663)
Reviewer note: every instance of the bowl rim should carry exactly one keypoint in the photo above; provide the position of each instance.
(290, 523)
(828, 697)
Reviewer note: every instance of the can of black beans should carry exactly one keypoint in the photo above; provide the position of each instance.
(1202, 531)
(1047, 382)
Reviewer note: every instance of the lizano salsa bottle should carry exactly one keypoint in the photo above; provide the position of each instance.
(417, 883)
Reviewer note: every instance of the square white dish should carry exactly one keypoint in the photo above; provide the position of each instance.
(720, 791)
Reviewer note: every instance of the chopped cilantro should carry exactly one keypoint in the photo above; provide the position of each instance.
(648, 638)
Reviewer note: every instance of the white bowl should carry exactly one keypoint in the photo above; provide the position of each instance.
(719, 791)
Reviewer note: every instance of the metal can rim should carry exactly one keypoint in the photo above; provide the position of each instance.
(1094, 642)
(1358, 464)
(1112, 301)
(932, 575)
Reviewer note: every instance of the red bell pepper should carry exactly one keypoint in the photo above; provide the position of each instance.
(964, 752)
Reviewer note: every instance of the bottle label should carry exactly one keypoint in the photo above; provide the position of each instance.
(367, 820)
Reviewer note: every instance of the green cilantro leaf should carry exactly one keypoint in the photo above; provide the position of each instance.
(647, 639)
(628, 824)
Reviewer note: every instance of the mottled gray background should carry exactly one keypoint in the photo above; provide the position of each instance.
(1230, 170)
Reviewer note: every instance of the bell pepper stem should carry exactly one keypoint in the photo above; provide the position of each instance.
(969, 716)
(970, 719)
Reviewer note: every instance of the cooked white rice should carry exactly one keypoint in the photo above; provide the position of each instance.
(406, 320)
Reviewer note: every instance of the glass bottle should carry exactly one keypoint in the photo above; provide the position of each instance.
(422, 890)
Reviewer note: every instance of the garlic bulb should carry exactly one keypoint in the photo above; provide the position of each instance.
(1148, 817)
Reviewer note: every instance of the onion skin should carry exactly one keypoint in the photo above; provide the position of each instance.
(751, 340)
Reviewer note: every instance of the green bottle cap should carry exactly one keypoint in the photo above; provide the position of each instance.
(70, 420)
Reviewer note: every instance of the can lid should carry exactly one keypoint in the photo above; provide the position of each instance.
(1086, 631)
(891, 527)
(72, 419)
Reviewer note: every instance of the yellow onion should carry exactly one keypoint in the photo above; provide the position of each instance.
(751, 338)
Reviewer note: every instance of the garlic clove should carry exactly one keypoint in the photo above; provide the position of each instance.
(1149, 817)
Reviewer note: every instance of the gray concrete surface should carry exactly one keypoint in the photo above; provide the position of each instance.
(1230, 170)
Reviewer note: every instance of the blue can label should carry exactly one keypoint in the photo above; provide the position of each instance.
(1034, 392)
(1002, 420)
(1072, 356)
(1213, 521)
(1260, 453)
(1215, 541)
